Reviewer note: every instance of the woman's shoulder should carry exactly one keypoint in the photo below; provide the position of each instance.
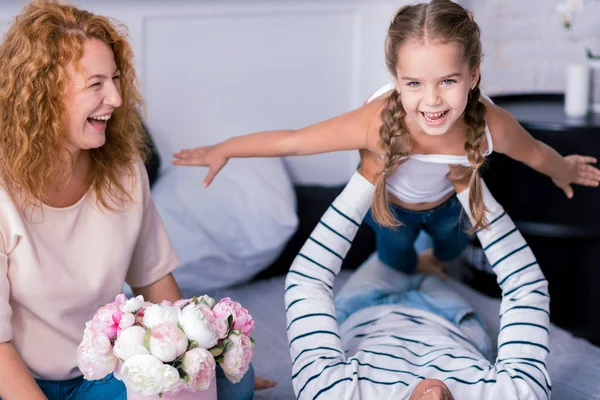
(133, 180)
(10, 220)
(135, 172)
(142, 183)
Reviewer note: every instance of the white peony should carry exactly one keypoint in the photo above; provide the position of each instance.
(130, 343)
(133, 304)
(207, 300)
(159, 314)
(167, 342)
(147, 375)
(199, 324)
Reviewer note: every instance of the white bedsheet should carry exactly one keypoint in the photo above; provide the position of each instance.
(574, 363)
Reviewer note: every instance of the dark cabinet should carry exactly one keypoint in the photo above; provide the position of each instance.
(564, 234)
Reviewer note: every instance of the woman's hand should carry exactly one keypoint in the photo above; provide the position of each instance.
(203, 156)
(580, 172)
(371, 165)
(460, 176)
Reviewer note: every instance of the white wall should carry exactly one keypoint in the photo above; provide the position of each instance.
(526, 47)
(214, 69)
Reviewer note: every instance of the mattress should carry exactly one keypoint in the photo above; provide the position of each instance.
(573, 363)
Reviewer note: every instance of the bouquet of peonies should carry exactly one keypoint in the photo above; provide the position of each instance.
(166, 348)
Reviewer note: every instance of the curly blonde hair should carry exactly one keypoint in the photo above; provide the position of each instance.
(447, 22)
(45, 38)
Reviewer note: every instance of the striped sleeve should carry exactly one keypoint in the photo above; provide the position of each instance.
(319, 366)
(524, 311)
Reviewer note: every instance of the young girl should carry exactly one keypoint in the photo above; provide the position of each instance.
(432, 116)
(76, 216)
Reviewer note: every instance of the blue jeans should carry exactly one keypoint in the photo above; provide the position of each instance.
(375, 284)
(111, 388)
(78, 388)
(446, 224)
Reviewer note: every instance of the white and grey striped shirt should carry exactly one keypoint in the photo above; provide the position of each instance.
(384, 351)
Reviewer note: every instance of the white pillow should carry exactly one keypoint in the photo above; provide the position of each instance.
(226, 233)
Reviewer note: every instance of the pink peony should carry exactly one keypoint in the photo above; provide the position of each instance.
(199, 365)
(241, 319)
(117, 371)
(236, 359)
(181, 303)
(95, 358)
(108, 318)
(167, 341)
(127, 321)
(121, 299)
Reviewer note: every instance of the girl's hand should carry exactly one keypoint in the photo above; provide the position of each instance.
(203, 156)
(580, 172)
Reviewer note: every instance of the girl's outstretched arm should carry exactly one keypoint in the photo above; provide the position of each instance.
(357, 129)
(512, 139)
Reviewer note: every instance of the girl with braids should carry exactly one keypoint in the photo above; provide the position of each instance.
(432, 116)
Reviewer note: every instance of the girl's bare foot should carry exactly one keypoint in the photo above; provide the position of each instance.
(263, 383)
(430, 265)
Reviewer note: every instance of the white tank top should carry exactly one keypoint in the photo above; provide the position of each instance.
(422, 177)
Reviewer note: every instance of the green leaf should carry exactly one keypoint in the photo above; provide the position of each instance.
(193, 345)
(216, 351)
(178, 362)
(147, 339)
(183, 375)
(252, 340)
(160, 395)
(203, 301)
(225, 343)
(229, 321)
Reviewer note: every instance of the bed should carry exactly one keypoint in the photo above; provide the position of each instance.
(574, 364)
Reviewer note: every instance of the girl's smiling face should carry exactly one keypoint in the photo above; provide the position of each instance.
(434, 81)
